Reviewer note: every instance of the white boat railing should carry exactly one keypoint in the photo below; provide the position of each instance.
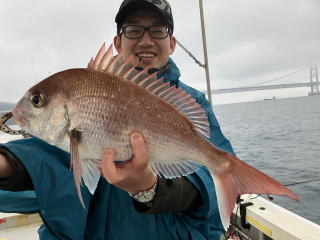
(270, 221)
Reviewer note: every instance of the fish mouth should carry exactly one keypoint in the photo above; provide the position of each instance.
(19, 118)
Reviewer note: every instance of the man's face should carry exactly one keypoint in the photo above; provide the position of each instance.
(152, 53)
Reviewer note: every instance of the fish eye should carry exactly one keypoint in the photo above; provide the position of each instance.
(36, 100)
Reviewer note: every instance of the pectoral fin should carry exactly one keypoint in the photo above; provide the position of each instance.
(91, 175)
(82, 168)
(75, 140)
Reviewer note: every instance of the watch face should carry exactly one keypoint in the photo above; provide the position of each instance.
(146, 196)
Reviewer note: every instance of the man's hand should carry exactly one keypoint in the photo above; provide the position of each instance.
(133, 176)
(5, 168)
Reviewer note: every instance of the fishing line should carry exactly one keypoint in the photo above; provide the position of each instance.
(297, 183)
(291, 184)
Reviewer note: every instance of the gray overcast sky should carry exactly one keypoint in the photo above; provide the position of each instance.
(249, 41)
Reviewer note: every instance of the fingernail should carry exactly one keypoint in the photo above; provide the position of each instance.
(108, 152)
(136, 137)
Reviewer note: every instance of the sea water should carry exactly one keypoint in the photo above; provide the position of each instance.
(282, 139)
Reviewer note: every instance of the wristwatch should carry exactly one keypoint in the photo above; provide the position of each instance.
(146, 196)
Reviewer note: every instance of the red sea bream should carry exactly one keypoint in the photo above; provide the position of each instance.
(85, 111)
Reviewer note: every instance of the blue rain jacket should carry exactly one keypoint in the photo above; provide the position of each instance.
(109, 213)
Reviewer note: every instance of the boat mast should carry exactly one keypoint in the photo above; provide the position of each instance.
(206, 64)
(204, 41)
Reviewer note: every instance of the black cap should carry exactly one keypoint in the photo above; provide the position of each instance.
(162, 7)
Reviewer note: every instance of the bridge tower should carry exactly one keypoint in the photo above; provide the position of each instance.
(314, 81)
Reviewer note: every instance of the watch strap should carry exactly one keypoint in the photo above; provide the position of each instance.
(146, 196)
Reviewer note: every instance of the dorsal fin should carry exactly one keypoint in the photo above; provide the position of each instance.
(105, 60)
(182, 101)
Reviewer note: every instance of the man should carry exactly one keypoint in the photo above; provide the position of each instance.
(132, 203)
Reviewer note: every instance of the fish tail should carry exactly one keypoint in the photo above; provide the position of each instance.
(236, 178)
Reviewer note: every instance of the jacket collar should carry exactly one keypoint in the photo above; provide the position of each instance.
(170, 72)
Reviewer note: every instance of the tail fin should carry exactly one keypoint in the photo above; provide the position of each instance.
(241, 178)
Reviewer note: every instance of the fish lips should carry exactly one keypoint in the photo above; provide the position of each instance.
(19, 113)
(19, 118)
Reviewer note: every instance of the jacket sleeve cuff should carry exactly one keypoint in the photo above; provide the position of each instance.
(173, 195)
(20, 179)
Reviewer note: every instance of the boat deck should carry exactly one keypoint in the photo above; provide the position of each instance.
(15, 226)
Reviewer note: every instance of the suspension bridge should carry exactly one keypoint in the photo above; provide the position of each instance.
(313, 84)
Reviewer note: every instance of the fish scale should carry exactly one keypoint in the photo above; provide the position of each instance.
(147, 124)
(84, 111)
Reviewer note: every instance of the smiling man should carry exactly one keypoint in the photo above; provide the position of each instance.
(145, 35)
(130, 202)
(145, 30)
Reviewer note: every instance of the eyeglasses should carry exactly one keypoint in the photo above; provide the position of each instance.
(135, 31)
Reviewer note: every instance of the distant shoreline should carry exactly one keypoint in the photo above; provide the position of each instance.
(4, 106)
